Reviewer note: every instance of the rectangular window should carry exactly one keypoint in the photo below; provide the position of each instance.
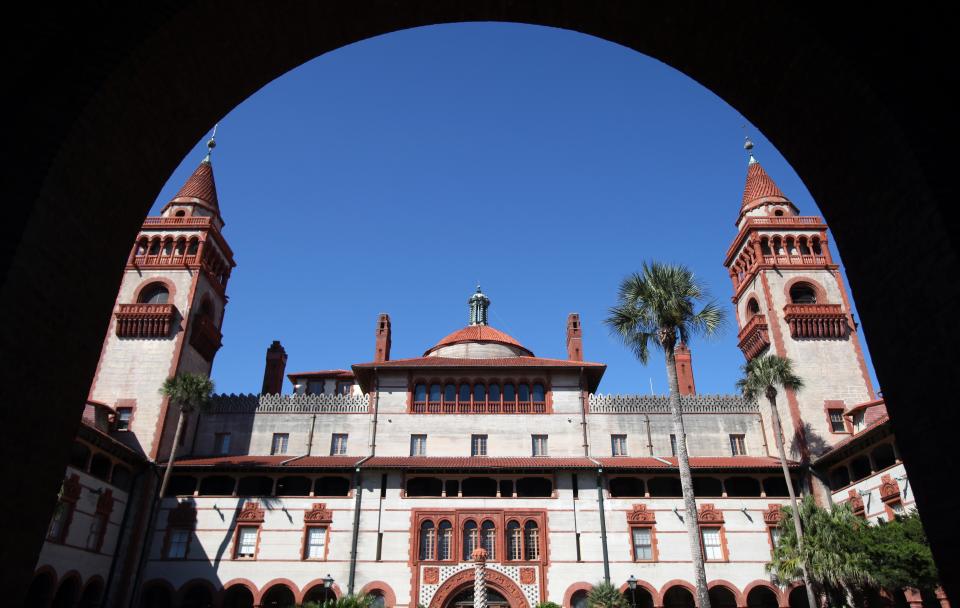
(344, 388)
(247, 542)
(418, 445)
(837, 424)
(280, 441)
(123, 418)
(315, 387)
(316, 541)
(58, 524)
(96, 532)
(712, 549)
(618, 445)
(338, 444)
(177, 543)
(221, 444)
(774, 536)
(539, 445)
(478, 445)
(673, 444)
(642, 544)
(738, 446)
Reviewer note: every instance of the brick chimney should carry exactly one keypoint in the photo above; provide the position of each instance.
(685, 369)
(383, 339)
(574, 338)
(273, 372)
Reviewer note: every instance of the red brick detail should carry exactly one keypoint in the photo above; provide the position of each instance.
(252, 513)
(105, 504)
(463, 579)
(754, 337)
(640, 515)
(816, 321)
(145, 320)
(582, 586)
(205, 337)
(71, 489)
(431, 575)
(273, 370)
(389, 597)
(856, 502)
(684, 360)
(708, 514)
(383, 333)
(773, 514)
(889, 489)
(574, 337)
(528, 576)
(477, 333)
(318, 514)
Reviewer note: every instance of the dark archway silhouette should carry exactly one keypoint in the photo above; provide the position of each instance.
(116, 99)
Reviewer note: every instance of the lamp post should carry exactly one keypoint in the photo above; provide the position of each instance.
(632, 583)
(327, 587)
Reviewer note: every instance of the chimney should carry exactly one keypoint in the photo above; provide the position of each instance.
(383, 339)
(574, 338)
(273, 372)
(685, 369)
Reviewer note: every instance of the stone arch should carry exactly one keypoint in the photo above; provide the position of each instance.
(571, 590)
(781, 597)
(68, 590)
(42, 586)
(389, 597)
(235, 587)
(149, 282)
(318, 582)
(464, 579)
(644, 585)
(269, 585)
(157, 593)
(731, 587)
(92, 592)
(194, 583)
(665, 589)
(818, 289)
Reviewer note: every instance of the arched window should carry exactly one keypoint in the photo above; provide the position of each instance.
(193, 246)
(479, 393)
(514, 541)
(155, 293)
(509, 393)
(180, 213)
(445, 551)
(803, 293)
(539, 394)
(420, 393)
(465, 393)
(428, 541)
(523, 393)
(471, 539)
(168, 246)
(101, 466)
(488, 537)
(450, 393)
(434, 393)
(181, 246)
(884, 456)
(531, 539)
(494, 393)
(753, 308)
(155, 246)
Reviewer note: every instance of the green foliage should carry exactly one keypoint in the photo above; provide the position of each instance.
(548, 605)
(188, 391)
(761, 376)
(605, 595)
(899, 554)
(659, 304)
(347, 601)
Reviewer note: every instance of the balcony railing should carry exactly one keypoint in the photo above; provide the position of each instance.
(797, 258)
(160, 259)
(816, 321)
(206, 338)
(488, 407)
(786, 220)
(155, 222)
(754, 337)
(145, 320)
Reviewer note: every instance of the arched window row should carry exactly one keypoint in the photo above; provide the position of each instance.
(478, 487)
(739, 486)
(333, 486)
(863, 466)
(780, 250)
(166, 250)
(487, 397)
(98, 464)
(440, 540)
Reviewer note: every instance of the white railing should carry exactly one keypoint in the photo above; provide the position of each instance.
(660, 404)
(305, 404)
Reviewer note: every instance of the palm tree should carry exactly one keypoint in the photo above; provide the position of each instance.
(189, 392)
(832, 552)
(605, 595)
(658, 305)
(762, 375)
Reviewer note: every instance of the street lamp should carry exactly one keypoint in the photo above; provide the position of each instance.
(328, 581)
(632, 583)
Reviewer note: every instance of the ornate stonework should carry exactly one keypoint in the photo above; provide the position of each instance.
(528, 576)
(708, 514)
(889, 489)
(71, 489)
(773, 514)
(251, 513)
(431, 575)
(105, 503)
(640, 515)
(318, 514)
(856, 502)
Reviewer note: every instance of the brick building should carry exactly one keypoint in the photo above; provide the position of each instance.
(385, 477)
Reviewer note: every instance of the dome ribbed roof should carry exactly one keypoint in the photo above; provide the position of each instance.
(477, 333)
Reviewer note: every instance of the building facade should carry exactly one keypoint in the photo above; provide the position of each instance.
(387, 477)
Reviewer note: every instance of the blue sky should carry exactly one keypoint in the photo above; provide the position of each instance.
(393, 174)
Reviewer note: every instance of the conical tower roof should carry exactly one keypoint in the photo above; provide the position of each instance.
(760, 189)
(200, 189)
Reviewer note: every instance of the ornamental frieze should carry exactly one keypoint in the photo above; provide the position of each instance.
(641, 515)
(889, 489)
(318, 514)
(773, 514)
(708, 514)
(251, 513)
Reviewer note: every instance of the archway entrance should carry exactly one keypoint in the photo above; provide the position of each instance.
(464, 599)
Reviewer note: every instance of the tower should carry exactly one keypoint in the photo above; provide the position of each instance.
(790, 300)
(168, 312)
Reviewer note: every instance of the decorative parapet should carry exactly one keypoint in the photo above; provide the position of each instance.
(290, 404)
(754, 337)
(660, 404)
(816, 320)
(145, 320)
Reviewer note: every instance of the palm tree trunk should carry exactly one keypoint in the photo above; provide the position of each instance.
(778, 439)
(686, 482)
(173, 456)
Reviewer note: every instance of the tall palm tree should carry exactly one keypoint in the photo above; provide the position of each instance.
(659, 305)
(189, 392)
(762, 375)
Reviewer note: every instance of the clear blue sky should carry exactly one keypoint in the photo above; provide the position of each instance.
(393, 174)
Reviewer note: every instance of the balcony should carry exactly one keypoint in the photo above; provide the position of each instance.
(754, 337)
(145, 320)
(823, 321)
(479, 407)
(205, 337)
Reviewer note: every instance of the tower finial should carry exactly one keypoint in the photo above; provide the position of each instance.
(479, 303)
(748, 146)
(211, 144)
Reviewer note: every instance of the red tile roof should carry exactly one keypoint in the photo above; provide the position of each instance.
(476, 462)
(696, 462)
(477, 333)
(759, 187)
(323, 373)
(286, 460)
(853, 438)
(200, 188)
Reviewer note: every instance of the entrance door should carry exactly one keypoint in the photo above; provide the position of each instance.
(464, 599)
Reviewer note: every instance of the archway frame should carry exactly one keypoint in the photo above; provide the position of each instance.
(464, 580)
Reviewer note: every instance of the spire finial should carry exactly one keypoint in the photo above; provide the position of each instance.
(479, 304)
(748, 146)
(211, 144)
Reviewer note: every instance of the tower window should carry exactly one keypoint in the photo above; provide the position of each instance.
(803, 293)
(418, 445)
(618, 445)
(778, 212)
(279, 445)
(539, 445)
(478, 445)
(155, 293)
(753, 308)
(338, 444)
(837, 424)
(738, 445)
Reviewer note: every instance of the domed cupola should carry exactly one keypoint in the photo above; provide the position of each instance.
(478, 340)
